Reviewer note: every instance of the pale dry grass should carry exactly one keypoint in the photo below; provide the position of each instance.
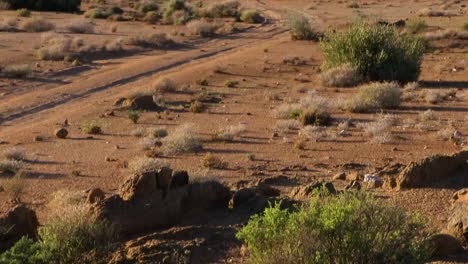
(230, 133)
(342, 76)
(164, 85)
(183, 140)
(37, 25)
(203, 28)
(375, 96)
(141, 165)
(16, 71)
(80, 27)
(14, 153)
(10, 166)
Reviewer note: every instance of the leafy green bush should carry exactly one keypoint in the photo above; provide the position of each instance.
(300, 27)
(378, 52)
(348, 228)
(375, 96)
(45, 5)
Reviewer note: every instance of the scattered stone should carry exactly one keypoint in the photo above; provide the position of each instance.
(340, 176)
(95, 195)
(444, 245)
(38, 138)
(373, 181)
(354, 185)
(120, 101)
(61, 133)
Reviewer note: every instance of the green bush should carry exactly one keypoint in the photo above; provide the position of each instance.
(251, 16)
(416, 25)
(375, 96)
(378, 52)
(45, 5)
(300, 27)
(23, 12)
(465, 26)
(349, 228)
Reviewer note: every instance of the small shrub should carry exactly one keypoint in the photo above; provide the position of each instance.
(133, 115)
(230, 133)
(14, 154)
(151, 17)
(157, 40)
(231, 84)
(351, 227)
(197, 107)
(10, 166)
(14, 187)
(251, 16)
(378, 52)
(147, 143)
(23, 12)
(182, 140)
(213, 162)
(440, 34)
(416, 25)
(37, 25)
(375, 96)
(114, 45)
(427, 115)
(16, 71)
(157, 132)
(300, 28)
(380, 130)
(81, 27)
(141, 165)
(228, 8)
(314, 116)
(148, 6)
(465, 26)
(91, 127)
(342, 76)
(353, 5)
(164, 85)
(287, 125)
(99, 13)
(203, 28)
(202, 82)
(8, 24)
(57, 47)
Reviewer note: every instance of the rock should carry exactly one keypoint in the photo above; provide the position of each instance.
(143, 102)
(354, 176)
(120, 101)
(20, 221)
(444, 245)
(38, 138)
(458, 218)
(427, 172)
(61, 133)
(242, 196)
(267, 190)
(276, 180)
(163, 178)
(138, 187)
(179, 179)
(373, 181)
(304, 192)
(354, 185)
(95, 195)
(340, 176)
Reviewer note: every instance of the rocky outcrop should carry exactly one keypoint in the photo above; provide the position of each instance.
(15, 223)
(142, 102)
(458, 218)
(431, 170)
(304, 192)
(159, 199)
(444, 245)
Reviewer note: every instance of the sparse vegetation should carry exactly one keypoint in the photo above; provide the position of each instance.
(49, 5)
(230, 133)
(15, 186)
(182, 140)
(416, 25)
(16, 71)
(133, 115)
(231, 83)
(378, 52)
(381, 130)
(251, 16)
(23, 12)
(301, 28)
(213, 162)
(10, 166)
(164, 85)
(229, 8)
(141, 165)
(348, 228)
(375, 96)
(80, 27)
(197, 107)
(342, 76)
(37, 25)
(157, 40)
(465, 26)
(91, 127)
(14, 153)
(203, 28)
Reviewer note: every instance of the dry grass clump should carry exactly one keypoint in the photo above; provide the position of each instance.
(37, 25)
(285, 126)
(102, 13)
(147, 143)
(381, 130)
(300, 27)
(212, 162)
(197, 107)
(182, 140)
(114, 45)
(164, 85)
(427, 115)
(230, 133)
(342, 76)
(156, 40)
(313, 133)
(436, 97)
(147, 6)
(416, 25)
(14, 153)
(80, 27)
(203, 28)
(16, 71)
(141, 165)
(440, 34)
(59, 47)
(446, 133)
(23, 12)
(14, 186)
(251, 16)
(375, 96)
(91, 127)
(429, 12)
(311, 103)
(8, 24)
(228, 8)
(10, 166)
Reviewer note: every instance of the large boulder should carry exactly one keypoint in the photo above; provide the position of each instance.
(151, 200)
(444, 245)
(15, 223)
(427, 172)
(304, 192)
(142, 102)
(458, 218)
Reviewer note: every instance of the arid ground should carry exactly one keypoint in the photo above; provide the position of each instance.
(266, 70)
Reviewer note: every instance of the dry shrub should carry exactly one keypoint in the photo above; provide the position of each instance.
(182, 140)
(427, 115)
(375, 96)
(203, 28)
(147, 143)
(8, 24)
(342, 76)
(441, 34)
(37, 25)
(91, 127)
(228, 8)
(54, 47)
(213, 162)
(429, 12)
(157, 40)
(164, 85)
(300, 27)
(446, 133)
(381, 130)
(141, 165)
(16, 71)
(114, 45)
(434, 97)
(14, 153)
(10, 166)
(286, 126)
(14, 186)
(416, 25)
(251, 16)
(230, 133)
(315, 133)
(80, 27)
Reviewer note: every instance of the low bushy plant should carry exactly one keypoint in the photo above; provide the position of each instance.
(375, 96)
(23, 12)
(37, 25)
(378, 52)
(251, 16)
(351, 227)
(300, 27)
